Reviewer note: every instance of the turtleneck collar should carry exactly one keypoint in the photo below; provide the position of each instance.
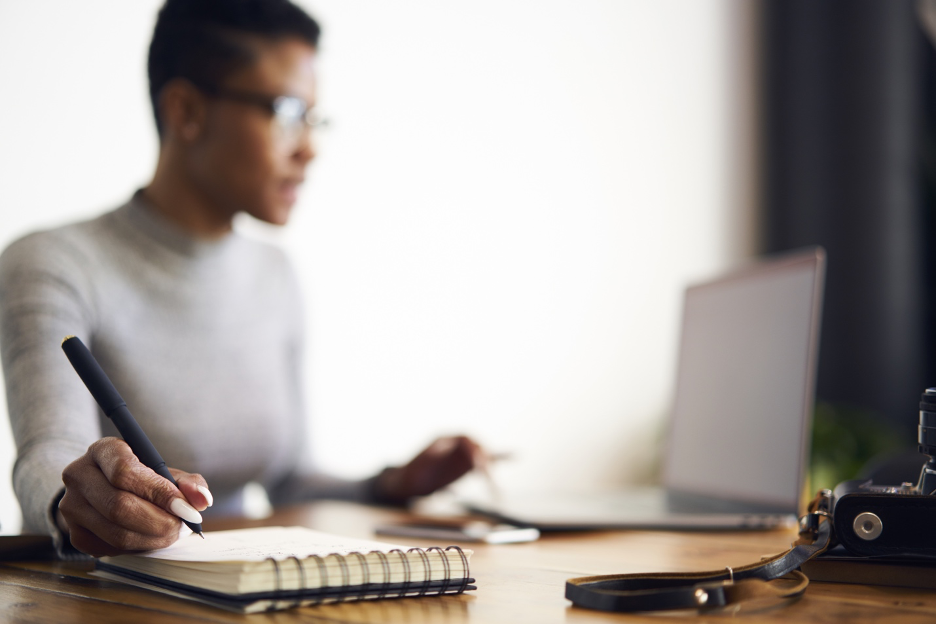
(144, 218)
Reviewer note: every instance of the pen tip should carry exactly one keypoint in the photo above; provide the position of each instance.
(201, 535)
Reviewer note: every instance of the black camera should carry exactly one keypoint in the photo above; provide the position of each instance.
(893, 520)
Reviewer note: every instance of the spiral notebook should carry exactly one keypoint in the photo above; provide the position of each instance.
(268, 568)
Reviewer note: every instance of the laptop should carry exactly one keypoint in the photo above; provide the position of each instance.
(738, 438)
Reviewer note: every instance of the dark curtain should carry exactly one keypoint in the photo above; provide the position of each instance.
(847, 138)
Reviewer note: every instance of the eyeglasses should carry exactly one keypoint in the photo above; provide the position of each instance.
(292, 114)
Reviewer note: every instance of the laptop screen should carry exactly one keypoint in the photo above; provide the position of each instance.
(742, 411)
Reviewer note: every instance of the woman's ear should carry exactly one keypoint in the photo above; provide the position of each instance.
(182, 109)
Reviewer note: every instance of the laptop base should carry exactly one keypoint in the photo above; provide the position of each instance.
(639, 508)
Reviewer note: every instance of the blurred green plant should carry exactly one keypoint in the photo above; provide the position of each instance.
(844, 439)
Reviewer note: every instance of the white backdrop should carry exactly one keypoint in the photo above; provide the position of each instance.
(495, 234)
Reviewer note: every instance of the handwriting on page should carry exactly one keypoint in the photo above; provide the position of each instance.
(262, 543)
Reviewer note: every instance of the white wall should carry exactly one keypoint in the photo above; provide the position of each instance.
(495, 234)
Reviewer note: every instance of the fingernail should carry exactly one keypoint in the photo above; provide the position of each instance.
(185, 511)
(206, 493)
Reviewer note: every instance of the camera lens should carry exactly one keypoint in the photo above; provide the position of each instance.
(927, 431)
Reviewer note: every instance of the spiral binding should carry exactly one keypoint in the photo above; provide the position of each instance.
(277, 593)
(407, 574)
(464, 561)
(427, 570)
(345, 579)
(282, 594)
(323, 577)
(302, 580)
(365, 569)
(446, 568)
(385, 568)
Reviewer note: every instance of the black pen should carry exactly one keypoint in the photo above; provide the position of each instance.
(115, 408)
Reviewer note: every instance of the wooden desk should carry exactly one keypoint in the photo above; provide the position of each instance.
(517, 583)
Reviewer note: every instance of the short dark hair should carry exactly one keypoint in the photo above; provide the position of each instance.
(204, 41)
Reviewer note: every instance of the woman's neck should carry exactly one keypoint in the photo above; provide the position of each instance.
(173, 194)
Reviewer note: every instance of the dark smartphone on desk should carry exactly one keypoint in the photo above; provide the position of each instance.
(476, 531)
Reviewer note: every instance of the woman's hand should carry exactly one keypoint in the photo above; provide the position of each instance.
(441, 463)
(115, 504)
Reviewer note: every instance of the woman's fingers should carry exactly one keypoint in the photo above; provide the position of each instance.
(94, 534)
(438, 465)
(194, 487)
(114, 503)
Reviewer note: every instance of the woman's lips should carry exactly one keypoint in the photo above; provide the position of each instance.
(289, 190)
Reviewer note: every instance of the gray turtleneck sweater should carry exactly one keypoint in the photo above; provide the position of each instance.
(202, 339)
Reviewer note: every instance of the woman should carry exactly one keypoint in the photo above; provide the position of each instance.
(199, 328)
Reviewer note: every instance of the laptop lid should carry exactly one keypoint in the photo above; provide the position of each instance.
(741, 419)
(738, 438)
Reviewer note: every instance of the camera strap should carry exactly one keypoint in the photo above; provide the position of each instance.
(773, 578)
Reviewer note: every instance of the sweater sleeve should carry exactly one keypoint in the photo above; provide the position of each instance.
(45, 295)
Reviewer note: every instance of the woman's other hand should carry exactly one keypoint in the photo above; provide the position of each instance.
(441, 463)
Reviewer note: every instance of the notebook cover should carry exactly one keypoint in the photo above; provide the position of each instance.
(262, 601)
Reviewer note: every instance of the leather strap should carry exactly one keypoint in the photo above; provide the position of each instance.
(774, 578)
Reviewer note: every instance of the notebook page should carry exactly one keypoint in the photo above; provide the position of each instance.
(262, 543)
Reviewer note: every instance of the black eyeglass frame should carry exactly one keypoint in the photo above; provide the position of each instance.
(288, 110)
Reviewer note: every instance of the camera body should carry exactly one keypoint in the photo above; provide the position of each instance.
(892, 520)
(877, 520)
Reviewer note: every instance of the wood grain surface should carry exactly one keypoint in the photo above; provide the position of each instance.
(517, 583)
